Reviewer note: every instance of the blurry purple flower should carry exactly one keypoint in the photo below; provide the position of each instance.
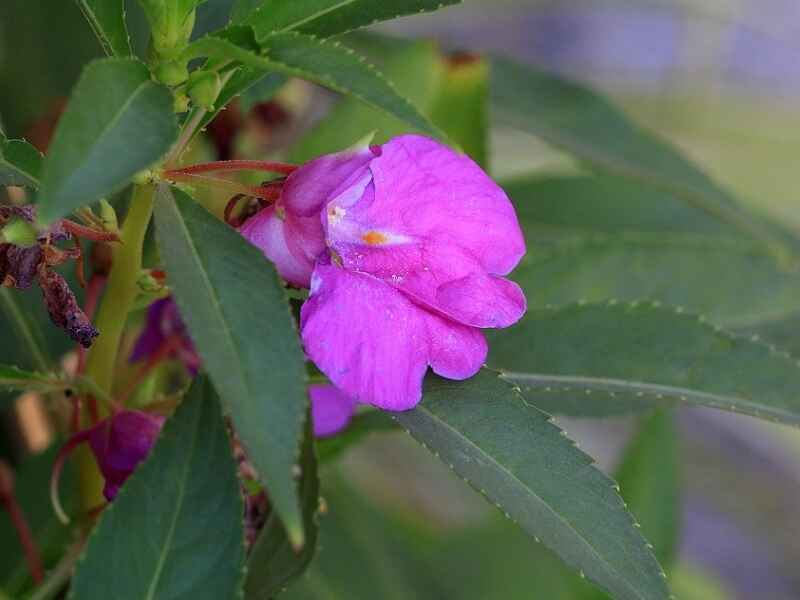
(164, 336)
(404, 247)
(120, 443)
(331, 410)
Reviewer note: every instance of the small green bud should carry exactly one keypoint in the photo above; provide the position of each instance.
(149, 284)
(109, 216)
(180, 103)
(172, 73)
(143, 177)
(20, 233)
(204, 88)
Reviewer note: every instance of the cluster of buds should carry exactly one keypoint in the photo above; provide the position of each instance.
(28, 256)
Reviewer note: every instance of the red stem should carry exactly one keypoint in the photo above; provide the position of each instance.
(89, 233)
(9, 501)
(236, 165)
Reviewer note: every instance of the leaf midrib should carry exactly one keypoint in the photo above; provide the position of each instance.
(167, 546)
(217, 305)
(657, 391)
(541, 500)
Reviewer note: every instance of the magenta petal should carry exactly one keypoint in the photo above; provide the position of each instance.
(482, 300)
(268, 232)
(310, 187)
(456, 351)
(331, 409)
(366, 337)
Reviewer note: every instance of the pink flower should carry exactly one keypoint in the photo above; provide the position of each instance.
(164, 336)
(331, 410)
(119, 443)
(404, 247)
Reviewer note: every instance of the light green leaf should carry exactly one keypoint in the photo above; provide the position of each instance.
(515, 456)
(14, 378)
(325, 18)
(117, 123)
(20, 163)
(414, 68)
(340, 69)
(273, 563)
(461, 107)
(233, 43)
(597, 354)
(107, 20)
(239, 319)
(175, 528)
(586, 125)
(649, 480)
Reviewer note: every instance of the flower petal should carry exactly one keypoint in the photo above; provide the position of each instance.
(456, 351)
(310, 187)
(269, 233)
(331, 409)
(366, 337)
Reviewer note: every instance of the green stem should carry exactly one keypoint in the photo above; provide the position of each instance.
(121, 290)
(117, 302)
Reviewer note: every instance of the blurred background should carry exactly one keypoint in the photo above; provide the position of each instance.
(721, 80)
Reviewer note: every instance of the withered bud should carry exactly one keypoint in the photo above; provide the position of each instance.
(63, 307)
(18, 266)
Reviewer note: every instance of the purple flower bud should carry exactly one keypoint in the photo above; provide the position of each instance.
(404, 248)
(119, 443)
(164, 332)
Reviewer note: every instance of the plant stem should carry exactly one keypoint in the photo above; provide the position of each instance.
(117, 302)
(59, 576)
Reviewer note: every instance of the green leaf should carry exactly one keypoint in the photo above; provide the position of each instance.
(14, 378)
(233, 43)
(20, 163)
(273, 563)
(239, 319)
(515, 456)
(641, 351)
(175, 528)
(30, 342)
(461, 107)
(596, 238)
(585, 124)
(414, 68)
(107, 20)
(325, 18)
(117, 123)
(340, 69)
(649, 480)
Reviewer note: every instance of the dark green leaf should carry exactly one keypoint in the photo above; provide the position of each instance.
(273, 563)
(31, 480)
(238, 316)
(596, 238)
(325, 18)
(340, 69)
(20, 163)
(641, 351)
(29, 338)
(461, 107)
(107, 19)
(414, 68)
(117, 123)
(585, 124)
(175, 528)
(515, 456)
(649, 480)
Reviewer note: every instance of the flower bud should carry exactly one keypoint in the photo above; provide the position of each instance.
(204, 88)
(172, 73)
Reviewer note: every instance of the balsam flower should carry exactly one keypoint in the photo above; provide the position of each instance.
(404, 248)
